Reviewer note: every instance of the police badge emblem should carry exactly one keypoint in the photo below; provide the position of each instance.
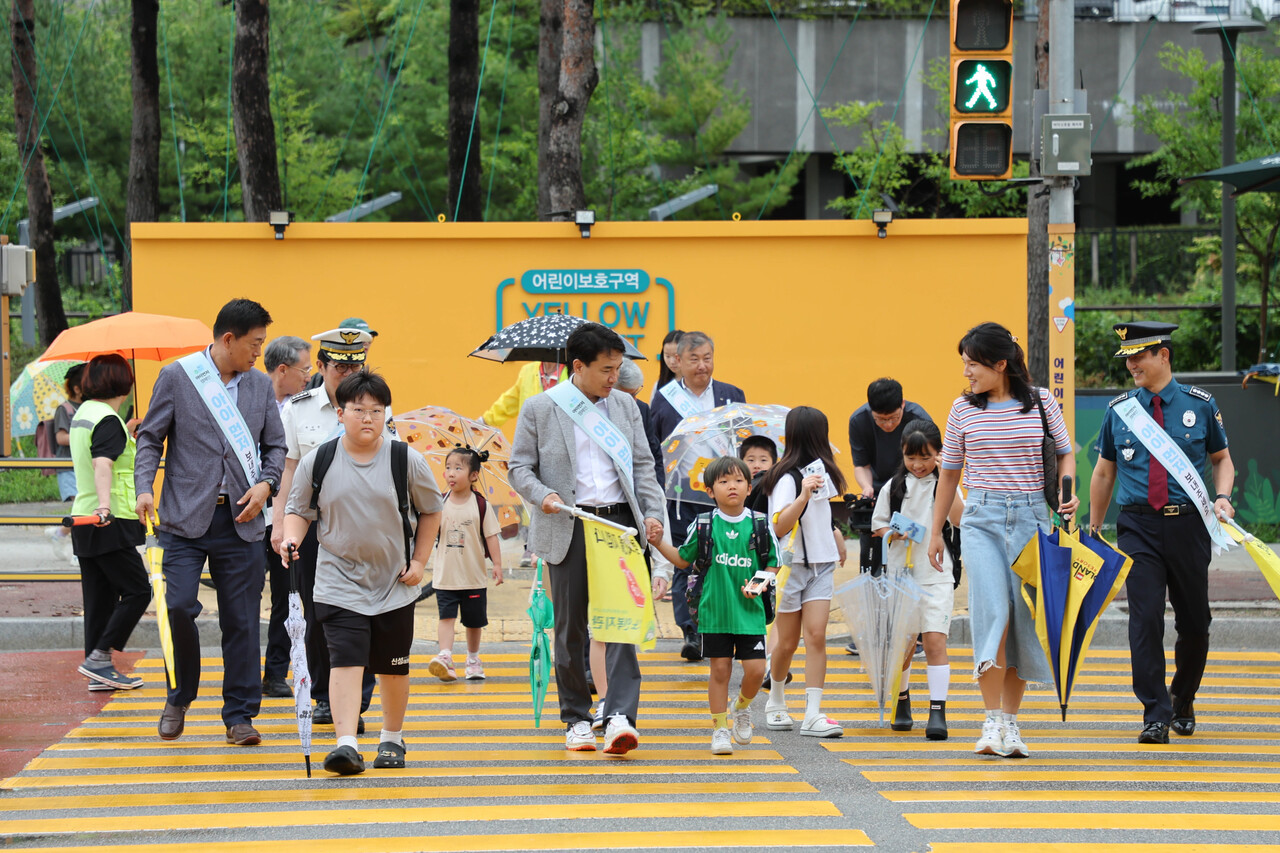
(1188, 418)
(1127, 453)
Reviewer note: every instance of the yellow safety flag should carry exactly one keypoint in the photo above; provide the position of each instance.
(620, 604)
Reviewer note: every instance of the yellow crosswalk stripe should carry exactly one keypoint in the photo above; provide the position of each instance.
(1076, 795)
(1095, 820)
(1007, 773)
(1077, 847)
(648, 840)
(416, 792)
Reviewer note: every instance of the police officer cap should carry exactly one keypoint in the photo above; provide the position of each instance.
(344, 345)
(357, 323)
(1136, 337)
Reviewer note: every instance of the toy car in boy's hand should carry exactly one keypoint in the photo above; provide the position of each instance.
(758, 583)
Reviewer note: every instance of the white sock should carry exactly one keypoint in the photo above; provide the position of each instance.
(391, 737)
(1010, 719)
(995, 716)
(349, 740)
(473, 657)
(812, 702)
(905, 684)
(939, 681)
(777, 694)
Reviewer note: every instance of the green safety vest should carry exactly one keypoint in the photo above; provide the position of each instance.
(124, 499)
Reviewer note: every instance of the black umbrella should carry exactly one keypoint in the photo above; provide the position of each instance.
(1258, 175)
(540, 338)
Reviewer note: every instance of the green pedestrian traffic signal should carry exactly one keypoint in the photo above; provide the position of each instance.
(981, 89)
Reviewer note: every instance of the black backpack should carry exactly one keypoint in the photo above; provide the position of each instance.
(399, 474)
(950, 533)
(760, 540)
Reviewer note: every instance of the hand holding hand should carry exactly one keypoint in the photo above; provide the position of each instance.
(653, 530)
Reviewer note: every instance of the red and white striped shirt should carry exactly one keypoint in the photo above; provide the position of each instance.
(999, 446)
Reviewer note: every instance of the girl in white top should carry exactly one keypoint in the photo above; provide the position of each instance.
(913, 488)
(805, 602)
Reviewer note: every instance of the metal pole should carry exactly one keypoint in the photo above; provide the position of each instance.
(1228, 37)
(1062, 227)
(28, 298)
(1062, 54)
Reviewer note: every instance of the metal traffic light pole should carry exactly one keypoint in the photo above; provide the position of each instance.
(1062, 228)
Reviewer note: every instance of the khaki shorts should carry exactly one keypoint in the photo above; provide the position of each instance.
(807, 582)
(936, 608)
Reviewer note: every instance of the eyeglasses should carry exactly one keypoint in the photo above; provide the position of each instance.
(343, 368)
(367, 414)
(305, 371)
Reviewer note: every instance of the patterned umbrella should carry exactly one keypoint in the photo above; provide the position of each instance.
(540, 338)
(434, 431)
(35, 394)
(295, 625)
(701, 438)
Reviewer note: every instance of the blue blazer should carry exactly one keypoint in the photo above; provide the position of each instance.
(199, 457)
(655, 444)
(665, 417)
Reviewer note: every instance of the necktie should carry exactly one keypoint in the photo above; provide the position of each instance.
(1157, 477)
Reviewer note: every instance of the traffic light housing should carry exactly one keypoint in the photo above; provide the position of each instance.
(981, 90)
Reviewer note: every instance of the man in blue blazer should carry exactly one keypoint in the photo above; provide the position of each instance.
(695, 392)
(222, 464)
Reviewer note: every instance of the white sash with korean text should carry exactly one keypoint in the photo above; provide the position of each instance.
(598, 428)
(1161, 446)
(230, 421)
(680, 399)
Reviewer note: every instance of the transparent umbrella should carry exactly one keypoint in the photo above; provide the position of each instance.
(882, 614)
(701, 438)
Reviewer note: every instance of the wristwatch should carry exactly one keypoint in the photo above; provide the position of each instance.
(271, 481)
(1222, 497)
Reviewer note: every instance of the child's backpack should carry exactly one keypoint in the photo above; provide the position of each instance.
(950, 533)
(481, 506)
(399, 474)
(760, 539)
(46, 442)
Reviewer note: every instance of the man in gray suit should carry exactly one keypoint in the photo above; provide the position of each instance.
(555, 461)
(210, 508)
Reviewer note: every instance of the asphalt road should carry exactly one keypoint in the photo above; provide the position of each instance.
(481, 777)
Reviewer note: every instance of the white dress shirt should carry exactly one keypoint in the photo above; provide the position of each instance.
(598, 481)
(706, 401)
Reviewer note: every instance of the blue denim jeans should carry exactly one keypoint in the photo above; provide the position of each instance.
(996, 526)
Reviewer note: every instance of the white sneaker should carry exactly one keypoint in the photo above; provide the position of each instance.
(597, 719)
(743, 726)
(580, 738)
(619, 736)
(821, 726)
(778, 720)
(721, 742)
(992, 740)
(1011, 743)
(441, 667)
(475, 669)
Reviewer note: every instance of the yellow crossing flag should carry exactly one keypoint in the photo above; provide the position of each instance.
(620, 608)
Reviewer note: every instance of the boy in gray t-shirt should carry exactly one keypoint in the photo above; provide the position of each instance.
(364, 593)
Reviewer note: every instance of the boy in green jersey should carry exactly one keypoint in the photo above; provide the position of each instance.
(731, 615)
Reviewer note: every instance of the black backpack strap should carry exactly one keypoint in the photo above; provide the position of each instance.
(760, 534)
(400, 475)
(482, 506)
(324, 458)
(702, 530)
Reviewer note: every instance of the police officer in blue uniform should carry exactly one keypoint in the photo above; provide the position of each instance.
(1160, 526)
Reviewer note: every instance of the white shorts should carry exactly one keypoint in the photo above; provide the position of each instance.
(807, 582)
(936, 608)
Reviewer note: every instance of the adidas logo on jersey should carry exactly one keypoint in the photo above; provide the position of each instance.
(731, 534)
(736, 561)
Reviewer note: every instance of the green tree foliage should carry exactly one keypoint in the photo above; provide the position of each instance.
(920, 184)
(359, 96)
(1189, 127)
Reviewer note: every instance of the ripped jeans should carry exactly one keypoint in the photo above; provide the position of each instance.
(996, 526)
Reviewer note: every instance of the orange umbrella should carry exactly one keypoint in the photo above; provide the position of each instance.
(151, 337)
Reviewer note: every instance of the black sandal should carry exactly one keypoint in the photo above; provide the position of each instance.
(390, 756)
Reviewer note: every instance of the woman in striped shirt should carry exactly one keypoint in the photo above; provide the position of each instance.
(994, 433)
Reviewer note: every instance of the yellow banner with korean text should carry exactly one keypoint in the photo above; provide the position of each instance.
(620, 608)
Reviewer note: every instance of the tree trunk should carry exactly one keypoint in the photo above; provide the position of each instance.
(464, 141)
(578, 80)
(251, 103)
(143, 203)
(550, 44)
(50, 318)
(1038, 231)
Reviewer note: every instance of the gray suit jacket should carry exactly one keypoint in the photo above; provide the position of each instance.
(543, 460)
(199, 455)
